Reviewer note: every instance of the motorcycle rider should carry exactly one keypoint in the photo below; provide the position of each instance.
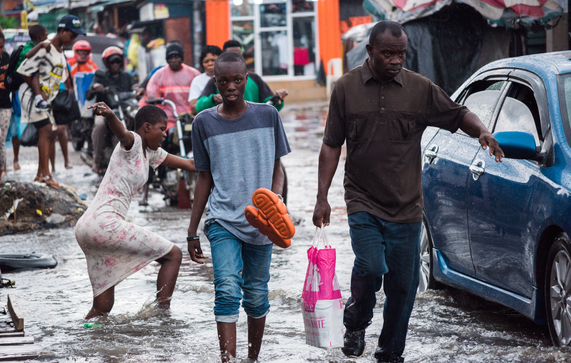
(173, 83)
(114, 77)
(81, 61)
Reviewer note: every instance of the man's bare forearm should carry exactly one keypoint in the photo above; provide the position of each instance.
(472, 125)
(328, 161)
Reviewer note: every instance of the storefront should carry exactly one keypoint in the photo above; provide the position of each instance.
(285, 41)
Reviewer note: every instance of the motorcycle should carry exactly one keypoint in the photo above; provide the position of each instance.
(125, 107)
(178, 142)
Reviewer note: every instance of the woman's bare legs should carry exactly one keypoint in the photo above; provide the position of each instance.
(168, 274)
(166, 281)
(53, 152)
(16, 148)
(44, 145)
(102, 304)
(62, 137)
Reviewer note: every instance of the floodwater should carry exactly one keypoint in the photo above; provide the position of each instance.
(446, 325)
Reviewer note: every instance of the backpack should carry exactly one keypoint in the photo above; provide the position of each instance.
(13, 80)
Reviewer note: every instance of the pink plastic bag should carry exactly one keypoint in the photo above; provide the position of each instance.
(321, 302)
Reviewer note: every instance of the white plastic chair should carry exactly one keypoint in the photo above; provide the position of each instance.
(334, 72)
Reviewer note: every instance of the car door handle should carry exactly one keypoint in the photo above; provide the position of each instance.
(477, 169)
(431, 153)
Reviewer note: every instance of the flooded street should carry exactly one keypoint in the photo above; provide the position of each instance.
(446, 325)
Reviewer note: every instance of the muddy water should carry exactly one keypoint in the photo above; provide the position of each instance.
(446, 325)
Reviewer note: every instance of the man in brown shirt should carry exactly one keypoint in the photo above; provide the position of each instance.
(381, 111)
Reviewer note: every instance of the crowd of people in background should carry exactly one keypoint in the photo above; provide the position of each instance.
(189, 89)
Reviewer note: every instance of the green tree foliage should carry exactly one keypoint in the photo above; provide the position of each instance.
(9, 22)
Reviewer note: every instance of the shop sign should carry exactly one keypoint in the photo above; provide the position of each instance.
(146, 12)
(161, 11)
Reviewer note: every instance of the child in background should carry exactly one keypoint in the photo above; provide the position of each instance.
(115, 249)
(5, 106)
(237, 148)
(38, 37)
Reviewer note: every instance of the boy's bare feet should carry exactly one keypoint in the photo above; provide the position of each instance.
(16, 165)
(68, 166)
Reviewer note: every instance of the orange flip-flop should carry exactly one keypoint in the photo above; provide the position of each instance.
(271, 217)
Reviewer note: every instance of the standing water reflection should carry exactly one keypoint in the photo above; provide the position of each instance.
(446, 325)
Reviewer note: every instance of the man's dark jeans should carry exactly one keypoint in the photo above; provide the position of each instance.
(383, 250)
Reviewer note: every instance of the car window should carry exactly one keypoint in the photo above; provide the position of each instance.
(482, 97)
(519, 112)
(565, 104)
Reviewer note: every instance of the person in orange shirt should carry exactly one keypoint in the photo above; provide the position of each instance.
(81, 62)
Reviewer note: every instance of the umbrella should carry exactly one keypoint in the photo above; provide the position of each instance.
(511, 13)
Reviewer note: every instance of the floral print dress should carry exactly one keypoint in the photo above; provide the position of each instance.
(115, 249)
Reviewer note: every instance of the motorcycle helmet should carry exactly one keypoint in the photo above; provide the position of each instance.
(82, 51)
(111, 53)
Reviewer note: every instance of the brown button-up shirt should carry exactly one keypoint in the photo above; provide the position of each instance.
(383, 125)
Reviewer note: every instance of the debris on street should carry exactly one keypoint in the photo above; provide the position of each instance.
(30, 206)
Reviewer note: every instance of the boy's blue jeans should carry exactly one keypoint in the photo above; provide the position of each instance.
(241, 272)
(389, 251)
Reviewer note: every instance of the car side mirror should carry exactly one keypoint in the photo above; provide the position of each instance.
(516, 144)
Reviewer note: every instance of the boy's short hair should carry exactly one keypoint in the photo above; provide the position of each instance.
(227, 57)
(2, 36)
(149, 113)
(36, 32)
(231, 44)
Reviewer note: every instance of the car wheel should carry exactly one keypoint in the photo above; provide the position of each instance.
(558, 291)
(427, 280)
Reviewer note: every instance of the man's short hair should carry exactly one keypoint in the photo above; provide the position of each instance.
(151, 114)
(2, 37)
(231, 44)
(382, 26)
(227, 57)
(36, 32)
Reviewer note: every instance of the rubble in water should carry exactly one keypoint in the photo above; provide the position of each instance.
(30, 206)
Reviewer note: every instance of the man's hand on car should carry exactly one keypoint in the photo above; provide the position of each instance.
(488, 140)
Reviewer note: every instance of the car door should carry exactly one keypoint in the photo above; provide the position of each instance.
(445, 175)
(501, 195)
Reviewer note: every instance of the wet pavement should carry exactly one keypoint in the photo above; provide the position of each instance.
(446, 325)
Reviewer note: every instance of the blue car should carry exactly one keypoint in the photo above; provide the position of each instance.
(502, 230)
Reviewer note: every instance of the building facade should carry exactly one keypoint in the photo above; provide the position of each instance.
(285, 41)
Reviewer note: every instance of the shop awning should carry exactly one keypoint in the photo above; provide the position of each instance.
(99, 7)
(510, 13)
